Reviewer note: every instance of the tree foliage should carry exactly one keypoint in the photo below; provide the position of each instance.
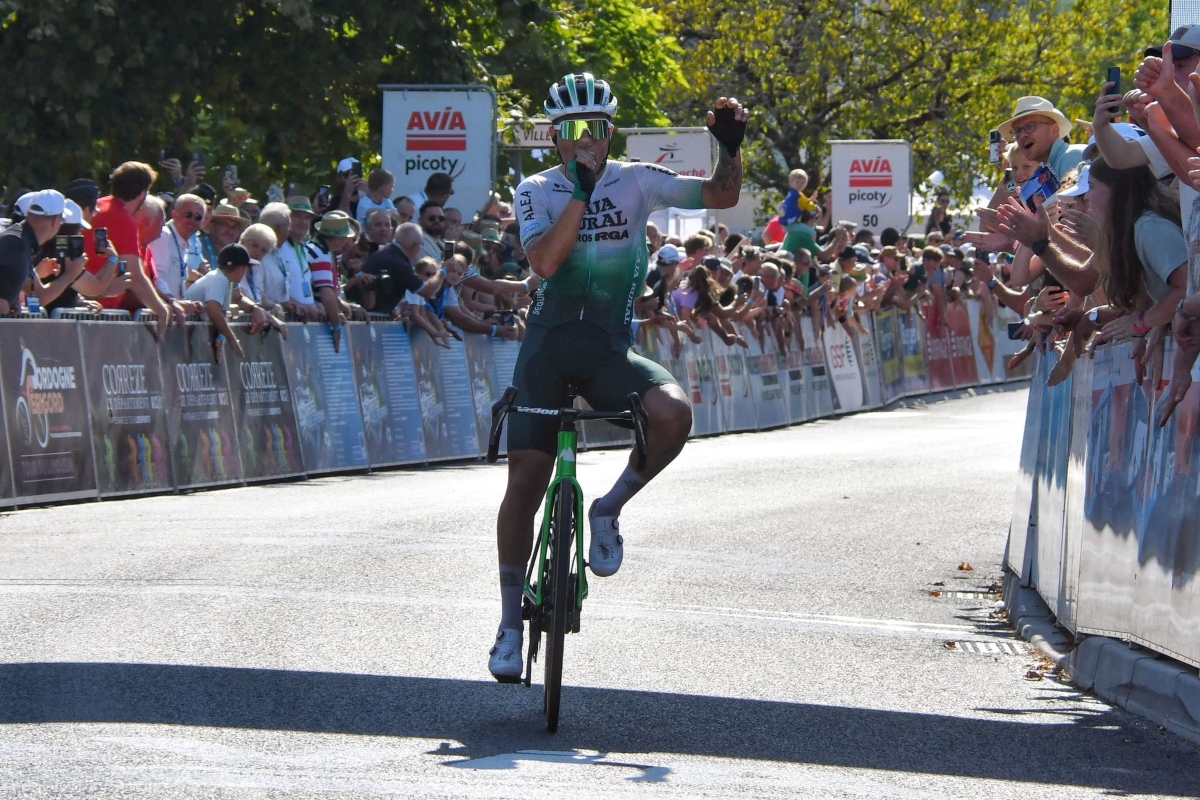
(284, 88)
(938, 73)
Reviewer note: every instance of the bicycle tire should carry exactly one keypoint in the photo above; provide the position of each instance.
(563, 537)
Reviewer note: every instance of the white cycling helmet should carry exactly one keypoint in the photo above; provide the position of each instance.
(580, 93)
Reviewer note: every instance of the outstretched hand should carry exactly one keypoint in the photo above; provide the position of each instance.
(727, 123)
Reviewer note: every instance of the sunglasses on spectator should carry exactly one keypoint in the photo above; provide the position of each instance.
(435, 219)
(572, 130)
(1028, 127)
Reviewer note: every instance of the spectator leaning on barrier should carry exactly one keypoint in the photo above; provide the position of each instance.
(75, 296)
(20, 243)
(177, 252)
(215, 291)
(277, 217)
(301, 216)
(259, 241)
(130, 184)
(394, 268)
(334, 233)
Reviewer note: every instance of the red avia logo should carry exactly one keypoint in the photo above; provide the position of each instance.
(436, 130)
(870, 173)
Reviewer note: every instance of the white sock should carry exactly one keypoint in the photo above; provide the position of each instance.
(512, 587)
(629, 484)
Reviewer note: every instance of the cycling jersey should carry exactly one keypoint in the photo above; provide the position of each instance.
(606, 270)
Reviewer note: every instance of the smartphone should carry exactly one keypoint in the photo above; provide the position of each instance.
(198, 158)
(993, 146)
(323, 195)
(447, 251)
(74, 246)
(984, 255)
(122, 268)
(61, 243)
(1014, 330)
(1044, 182)
(356, 170)
(231, 174)
(101, 236)
(1114, 77)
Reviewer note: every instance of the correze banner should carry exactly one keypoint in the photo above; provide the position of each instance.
(872, 181)
(441, 130)
(687, 151)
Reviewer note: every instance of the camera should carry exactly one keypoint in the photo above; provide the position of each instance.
(74, 246)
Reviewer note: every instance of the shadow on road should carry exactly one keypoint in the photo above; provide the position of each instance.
(489, 719)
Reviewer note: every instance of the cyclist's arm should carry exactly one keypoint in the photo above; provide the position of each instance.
(547, 247)
(724, 188)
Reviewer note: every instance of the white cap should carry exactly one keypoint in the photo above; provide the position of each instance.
(347, 164)
(1080, 188)
(73, 214)
(46, 203)
(1128, 131)
(669, 254)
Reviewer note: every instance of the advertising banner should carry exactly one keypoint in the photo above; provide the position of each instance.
(439, 129)
(733, 380)
(763, 364)
(937, 356)
(868, 360)
(387, 394)
(843, 369)
(912, 349)
(325, 399)
(820, 396)
(872, 182)
(687, 151)
(962, 344)
(702, 389)
(129, 418)
(268, 437)
(890, 357)
(200, 422)
(481, 377)
(1053, 452)
(504, 364)
(6, 485)
(45, 405)
(447, 410)
(791, 380)
(987, 355)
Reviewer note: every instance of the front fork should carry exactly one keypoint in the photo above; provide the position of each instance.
(534, 591)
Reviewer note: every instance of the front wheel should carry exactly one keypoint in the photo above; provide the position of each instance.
(562, 536)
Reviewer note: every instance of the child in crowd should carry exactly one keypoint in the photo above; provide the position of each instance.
(796, 204)
(425, 313)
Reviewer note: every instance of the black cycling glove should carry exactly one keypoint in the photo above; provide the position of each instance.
(583, 179)
(728, 130)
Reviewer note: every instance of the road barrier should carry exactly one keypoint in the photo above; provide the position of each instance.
(99, 409)
(1106, 523)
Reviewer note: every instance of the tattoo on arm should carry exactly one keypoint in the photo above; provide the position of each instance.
(727, 177)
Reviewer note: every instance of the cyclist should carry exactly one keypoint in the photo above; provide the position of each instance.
(583, 227)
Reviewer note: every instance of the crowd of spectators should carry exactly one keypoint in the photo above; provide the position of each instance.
(1109, 256)
(351, 251)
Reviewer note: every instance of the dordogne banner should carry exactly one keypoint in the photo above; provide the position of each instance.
(872, 181)
(451, 129)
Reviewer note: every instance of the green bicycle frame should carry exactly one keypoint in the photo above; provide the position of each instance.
(564, 472)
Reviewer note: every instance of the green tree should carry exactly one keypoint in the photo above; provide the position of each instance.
(284, 88)
(938, 73)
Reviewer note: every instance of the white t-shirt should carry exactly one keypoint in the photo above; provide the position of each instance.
(299, 273)
(173, 257)
(213, 285)
(1161, 249)
(274, 269)
(366, 205)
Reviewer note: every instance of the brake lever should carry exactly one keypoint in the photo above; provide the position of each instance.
(499, 410)
(638, 413)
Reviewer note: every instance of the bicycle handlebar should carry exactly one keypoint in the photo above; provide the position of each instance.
(636, 416)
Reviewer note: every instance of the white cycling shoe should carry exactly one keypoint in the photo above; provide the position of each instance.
(607, 547)
(506, 661)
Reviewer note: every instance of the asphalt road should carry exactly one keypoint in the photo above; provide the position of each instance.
(772, 633)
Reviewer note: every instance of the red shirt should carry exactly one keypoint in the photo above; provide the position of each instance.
(123, 236)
